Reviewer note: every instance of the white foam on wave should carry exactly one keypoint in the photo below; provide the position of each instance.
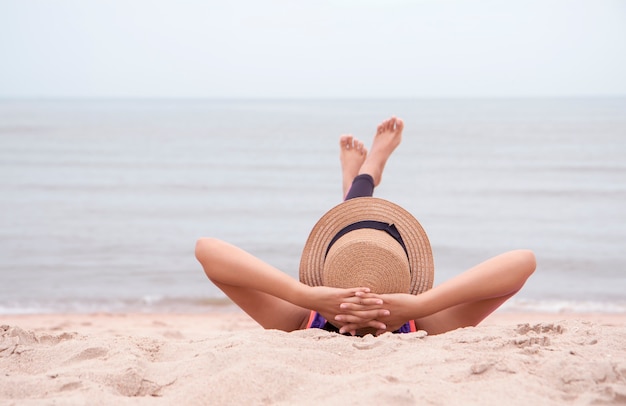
(145, 304)
(564, 306)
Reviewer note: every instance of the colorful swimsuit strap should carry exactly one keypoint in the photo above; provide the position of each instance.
(316, 320)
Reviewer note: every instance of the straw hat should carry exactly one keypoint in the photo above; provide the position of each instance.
(368, 242)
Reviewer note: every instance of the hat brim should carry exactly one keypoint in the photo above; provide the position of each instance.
(369, 208)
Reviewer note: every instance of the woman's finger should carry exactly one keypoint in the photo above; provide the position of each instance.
(358, 291)
(361, 316)
(361, 304)
(367, 294)
(370, 314)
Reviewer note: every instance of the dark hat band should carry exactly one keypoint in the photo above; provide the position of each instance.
(373, 224)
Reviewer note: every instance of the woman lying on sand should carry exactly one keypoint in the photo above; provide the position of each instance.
(374, 259)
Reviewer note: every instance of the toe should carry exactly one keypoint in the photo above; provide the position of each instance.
(345, 141)
(399, 125)
(380, 128)
(388, 124)
(392, 123)
(359, 145)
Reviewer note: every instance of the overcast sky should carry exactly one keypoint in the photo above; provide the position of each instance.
(312, 49)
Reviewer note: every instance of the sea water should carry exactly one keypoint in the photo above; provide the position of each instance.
(101, 202)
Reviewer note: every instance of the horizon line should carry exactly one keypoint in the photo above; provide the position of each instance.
(328, 98)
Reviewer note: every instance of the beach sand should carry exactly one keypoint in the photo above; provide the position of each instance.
(225, 358)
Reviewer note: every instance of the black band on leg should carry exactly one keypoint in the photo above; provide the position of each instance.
(362, 186)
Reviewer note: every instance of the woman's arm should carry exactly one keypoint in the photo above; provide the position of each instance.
(462, 301)
(273, 298)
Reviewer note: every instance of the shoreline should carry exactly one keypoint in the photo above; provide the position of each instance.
(208, 305)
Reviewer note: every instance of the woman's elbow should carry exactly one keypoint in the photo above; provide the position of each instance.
(204, 248)
(527, 261)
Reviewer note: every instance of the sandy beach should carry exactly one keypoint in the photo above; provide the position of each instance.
(225, 358)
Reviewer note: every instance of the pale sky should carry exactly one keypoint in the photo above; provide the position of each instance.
(311, 49)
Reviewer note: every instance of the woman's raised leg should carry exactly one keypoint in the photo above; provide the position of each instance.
(362, 172)
(352, 154)
(387, 138)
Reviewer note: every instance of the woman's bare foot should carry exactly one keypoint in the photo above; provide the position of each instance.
(352, 154)
(387, 138)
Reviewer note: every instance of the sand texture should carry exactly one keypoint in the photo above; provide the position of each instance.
(224, 358)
